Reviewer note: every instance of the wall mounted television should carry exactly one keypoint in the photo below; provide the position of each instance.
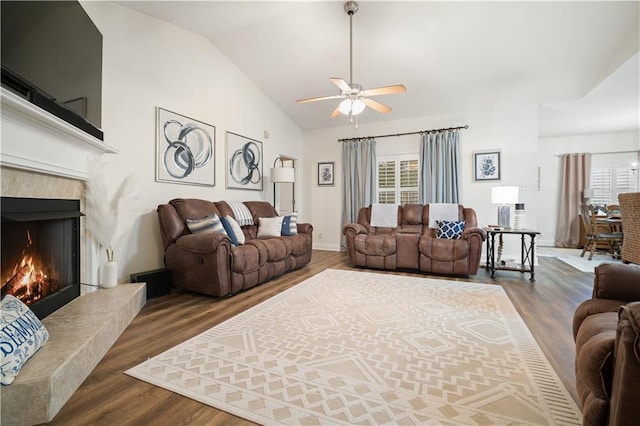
(52, 57)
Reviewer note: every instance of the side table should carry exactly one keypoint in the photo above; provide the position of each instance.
(527, 251)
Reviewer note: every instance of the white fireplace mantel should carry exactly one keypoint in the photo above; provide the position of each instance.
(36, 140)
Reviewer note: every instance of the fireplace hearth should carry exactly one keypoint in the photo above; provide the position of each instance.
(41, 252)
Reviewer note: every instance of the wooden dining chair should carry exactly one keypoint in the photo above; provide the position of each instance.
(594, 235)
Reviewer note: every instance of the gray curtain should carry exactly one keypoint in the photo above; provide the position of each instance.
(439, 167)
(576, 176)
(358, 178)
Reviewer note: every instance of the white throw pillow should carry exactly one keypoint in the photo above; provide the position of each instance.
(21, 335)
(269, 226)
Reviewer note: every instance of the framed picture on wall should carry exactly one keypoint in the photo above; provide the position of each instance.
(185, 150)
(244, 163)
(486, 165)
(325, 173)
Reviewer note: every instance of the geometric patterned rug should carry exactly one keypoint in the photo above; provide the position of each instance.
(349, 347)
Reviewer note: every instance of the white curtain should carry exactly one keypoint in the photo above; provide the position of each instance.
(358, 178)
(439, 167)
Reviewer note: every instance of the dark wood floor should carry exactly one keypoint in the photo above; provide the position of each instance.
(110, 397)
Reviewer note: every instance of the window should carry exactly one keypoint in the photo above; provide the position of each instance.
(398, 179)
(611, 174)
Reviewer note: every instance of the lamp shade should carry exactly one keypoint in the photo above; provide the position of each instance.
(282, 174)
(504, 195)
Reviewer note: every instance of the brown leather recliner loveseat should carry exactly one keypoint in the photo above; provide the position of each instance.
(209, 263)
(412, 244)
(606, 329)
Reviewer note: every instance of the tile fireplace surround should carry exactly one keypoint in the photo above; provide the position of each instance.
(43, 157)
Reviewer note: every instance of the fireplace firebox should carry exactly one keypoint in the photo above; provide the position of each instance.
(40, 251)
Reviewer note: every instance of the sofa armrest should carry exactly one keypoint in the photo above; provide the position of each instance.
(201, 263)
(203, 242)
(592, 307)
(473, 231)
(626, 374)
(354, 229)
(617, 281)
(305, 228)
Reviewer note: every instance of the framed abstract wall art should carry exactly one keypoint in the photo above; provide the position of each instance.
(185, 150)
(325, 173)
(486, 166)
(244, 162)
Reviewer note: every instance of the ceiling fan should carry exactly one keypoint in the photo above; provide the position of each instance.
(354, 98)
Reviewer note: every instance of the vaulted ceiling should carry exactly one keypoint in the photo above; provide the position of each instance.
(578, 60)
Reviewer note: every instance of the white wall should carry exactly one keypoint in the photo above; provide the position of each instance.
(148, 63)
(511, 129)
(551, 150)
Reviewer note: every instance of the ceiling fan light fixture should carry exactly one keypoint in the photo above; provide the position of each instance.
(353, 107)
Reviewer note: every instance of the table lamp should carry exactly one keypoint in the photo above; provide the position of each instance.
(504, 195)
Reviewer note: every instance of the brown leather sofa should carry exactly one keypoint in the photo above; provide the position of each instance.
(208, 263)
(606, 330)
(413, 245)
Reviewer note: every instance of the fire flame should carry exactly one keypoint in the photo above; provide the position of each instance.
(27, 281)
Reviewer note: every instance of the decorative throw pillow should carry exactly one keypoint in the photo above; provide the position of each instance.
(450, 229)
(241, 213)
(210, 224)
(234, 231)
(290, 224)
(21, 335)
(270, 226)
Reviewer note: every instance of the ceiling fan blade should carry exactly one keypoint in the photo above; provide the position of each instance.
(376, 105)
(342, 85)
(336, 112)
(321, 98)
(386, 90)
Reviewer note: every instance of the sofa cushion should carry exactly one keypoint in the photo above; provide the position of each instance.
(210, 224)
(451, 230)
(234, 231)
(290, 224)
(270, 226)
(18, 320)
(376, 245)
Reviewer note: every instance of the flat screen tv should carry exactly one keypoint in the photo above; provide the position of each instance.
(52, 56)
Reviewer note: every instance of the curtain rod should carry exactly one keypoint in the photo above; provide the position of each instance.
(600, 153)
(403, 134)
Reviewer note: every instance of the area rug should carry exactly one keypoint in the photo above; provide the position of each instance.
(349, 347)
(572, 258)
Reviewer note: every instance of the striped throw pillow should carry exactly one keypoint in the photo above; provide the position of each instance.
(241, 213)
(290, 224)
(210, 224)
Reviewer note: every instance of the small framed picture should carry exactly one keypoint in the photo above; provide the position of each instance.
(325, 174)
(486, 165)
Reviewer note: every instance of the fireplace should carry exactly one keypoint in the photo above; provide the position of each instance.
(41, 251)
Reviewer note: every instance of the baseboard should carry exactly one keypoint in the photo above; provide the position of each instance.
(329, 247)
